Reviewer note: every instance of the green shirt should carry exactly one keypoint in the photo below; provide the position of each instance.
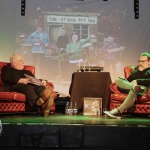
(76, 48)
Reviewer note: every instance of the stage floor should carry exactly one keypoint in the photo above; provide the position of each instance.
(28, 131)
(60, 118)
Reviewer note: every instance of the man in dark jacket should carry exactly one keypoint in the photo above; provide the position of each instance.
(62, 42)
(13, 79)
(137, 82)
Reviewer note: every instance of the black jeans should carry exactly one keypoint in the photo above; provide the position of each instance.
(32, 92)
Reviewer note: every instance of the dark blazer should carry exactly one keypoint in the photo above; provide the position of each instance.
(10, 77)
(62, 41)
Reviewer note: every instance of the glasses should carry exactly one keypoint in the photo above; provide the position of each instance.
(142, 61)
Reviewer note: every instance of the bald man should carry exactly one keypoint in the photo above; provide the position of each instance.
(13, 77)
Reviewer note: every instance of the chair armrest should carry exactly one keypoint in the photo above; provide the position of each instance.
(113, 88)
(143, 98)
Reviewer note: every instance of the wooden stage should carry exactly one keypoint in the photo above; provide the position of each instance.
(31, 131)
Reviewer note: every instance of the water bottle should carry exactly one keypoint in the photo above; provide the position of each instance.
(75, 109)
(71, 109)
(67, 108)
(98, 112)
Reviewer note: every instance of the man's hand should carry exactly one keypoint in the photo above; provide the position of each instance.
(44, 83)
(46, 45)
(93, 36)
(40, 42)
(72, 51)
(23, 80)
(134, 82)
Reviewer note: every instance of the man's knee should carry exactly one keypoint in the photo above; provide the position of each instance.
(50, 87)
(118, 81)
(23, 88)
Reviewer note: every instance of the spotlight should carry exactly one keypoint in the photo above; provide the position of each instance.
(136, 9)
(23, 6)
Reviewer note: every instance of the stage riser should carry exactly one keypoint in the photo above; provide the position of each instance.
(31, 135)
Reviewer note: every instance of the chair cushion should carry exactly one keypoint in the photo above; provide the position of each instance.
(119, 98)
(15, 96)
(135, 109)
(12, 96)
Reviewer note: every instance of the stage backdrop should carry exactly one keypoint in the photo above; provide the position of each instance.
(113, 22)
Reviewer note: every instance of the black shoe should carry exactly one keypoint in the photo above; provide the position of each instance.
(138, 89)
(115, 113)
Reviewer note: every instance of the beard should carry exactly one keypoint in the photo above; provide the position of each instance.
(140, 68)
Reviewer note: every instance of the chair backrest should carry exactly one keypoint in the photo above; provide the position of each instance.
(26, 67)
(128, 70)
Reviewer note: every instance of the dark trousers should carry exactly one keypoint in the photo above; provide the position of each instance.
(32, 92)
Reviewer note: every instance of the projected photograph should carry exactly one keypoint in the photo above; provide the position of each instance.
(57, 36)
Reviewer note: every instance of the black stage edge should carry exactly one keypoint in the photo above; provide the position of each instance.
(74, 132)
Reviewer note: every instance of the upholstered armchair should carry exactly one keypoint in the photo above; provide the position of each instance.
(16, 102)
(142, 103)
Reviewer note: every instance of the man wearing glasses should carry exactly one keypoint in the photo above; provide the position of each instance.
(137, 82)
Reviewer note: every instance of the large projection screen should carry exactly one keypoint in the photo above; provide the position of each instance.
(112, 22)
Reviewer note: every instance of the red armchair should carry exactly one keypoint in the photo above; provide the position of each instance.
(142, 103)
(14, 101)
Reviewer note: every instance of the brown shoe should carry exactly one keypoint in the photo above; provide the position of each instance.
(46, 94)
(138, 89)
(45, 108)
(39, 102)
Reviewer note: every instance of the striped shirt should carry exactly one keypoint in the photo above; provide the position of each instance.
(108, 46)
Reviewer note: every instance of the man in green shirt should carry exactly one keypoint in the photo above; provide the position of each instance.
(137, 82)
(74, 50)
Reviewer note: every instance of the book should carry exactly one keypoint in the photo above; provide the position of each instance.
(33, 80)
